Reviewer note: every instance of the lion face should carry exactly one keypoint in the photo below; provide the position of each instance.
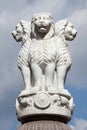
(18, 33)
(70, 32)
(42, 24)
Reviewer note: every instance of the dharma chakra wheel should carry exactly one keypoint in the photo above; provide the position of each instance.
(42, 100)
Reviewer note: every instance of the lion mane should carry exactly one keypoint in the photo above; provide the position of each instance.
(42, 48)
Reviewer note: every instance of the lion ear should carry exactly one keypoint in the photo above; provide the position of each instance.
(60, 27)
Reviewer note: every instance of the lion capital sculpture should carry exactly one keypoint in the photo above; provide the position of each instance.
(44, 59)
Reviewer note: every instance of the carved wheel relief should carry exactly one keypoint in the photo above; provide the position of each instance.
(42, 100)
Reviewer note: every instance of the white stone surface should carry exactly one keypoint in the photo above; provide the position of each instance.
(44, 61)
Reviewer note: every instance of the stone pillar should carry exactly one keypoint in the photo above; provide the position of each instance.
(44, 125)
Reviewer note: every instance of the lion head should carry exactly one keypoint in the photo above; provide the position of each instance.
(70, 32)
(18, 32)
(22, 31)
(42, 26)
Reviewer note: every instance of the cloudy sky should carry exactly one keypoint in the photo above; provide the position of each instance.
(11, 12)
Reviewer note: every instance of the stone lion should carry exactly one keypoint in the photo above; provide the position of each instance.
(44, 54)
(48, 52)
(21, 33)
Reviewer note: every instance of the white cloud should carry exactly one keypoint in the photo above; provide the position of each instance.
(79, 124)
(79, 17)
(3, 18)
(78, 50)
(15, 11)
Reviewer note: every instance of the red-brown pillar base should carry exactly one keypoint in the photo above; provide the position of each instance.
(44, 125)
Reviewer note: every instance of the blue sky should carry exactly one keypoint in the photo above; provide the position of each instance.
(11, 12)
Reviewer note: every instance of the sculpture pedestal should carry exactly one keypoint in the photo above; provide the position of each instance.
(44, 109)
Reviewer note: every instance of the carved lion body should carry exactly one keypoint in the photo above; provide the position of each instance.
(22, 33)
(48, 52)
(42, 52)
(18, 34)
